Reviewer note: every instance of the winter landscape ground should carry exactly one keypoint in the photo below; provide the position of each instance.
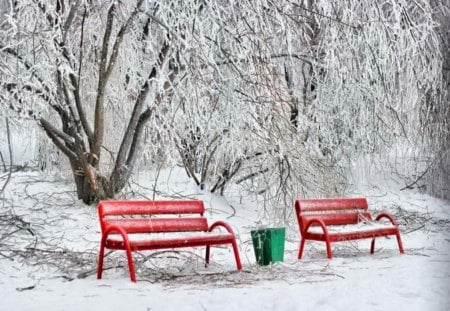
(49, 243)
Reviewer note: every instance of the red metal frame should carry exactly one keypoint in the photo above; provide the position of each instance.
(150, 225)
(339, 211)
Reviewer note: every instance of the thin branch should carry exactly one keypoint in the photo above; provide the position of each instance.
(72, 156)
(58, 143)
(99, 104)
(43, 9)
(122, 173)
(135, 118)
(383, 82)
(272, 56)
(12, 86)
(3, 161)
(47, 125)
(70, 17)
(76, 87)
(8, 134)
(251, 175)
(28, 66)
(119, 40)
(436, 160)
(64, 96)
(81, 112)
(325, 16)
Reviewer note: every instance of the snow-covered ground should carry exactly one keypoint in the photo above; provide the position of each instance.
(49, 243)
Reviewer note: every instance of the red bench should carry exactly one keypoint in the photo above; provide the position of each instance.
(342, 219)
(139, 225)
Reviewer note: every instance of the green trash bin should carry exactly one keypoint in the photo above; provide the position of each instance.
(268, 245)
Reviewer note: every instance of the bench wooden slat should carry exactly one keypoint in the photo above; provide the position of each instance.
(359, 227)
(331, 219)
(331, 204)
(121, 207)
(153, 225)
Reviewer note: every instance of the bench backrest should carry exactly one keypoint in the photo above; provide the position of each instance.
(139, 216)
(332, 211)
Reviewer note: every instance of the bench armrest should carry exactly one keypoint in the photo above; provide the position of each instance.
(388, 216)
(116, 229)
(316, 221)
(221, 224)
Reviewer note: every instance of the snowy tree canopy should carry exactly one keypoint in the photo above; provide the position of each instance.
(275, 96)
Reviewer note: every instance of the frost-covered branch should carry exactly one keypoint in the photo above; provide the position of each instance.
(56, 136)
(277, 97)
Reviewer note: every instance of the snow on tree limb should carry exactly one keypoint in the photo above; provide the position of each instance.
(273, 95)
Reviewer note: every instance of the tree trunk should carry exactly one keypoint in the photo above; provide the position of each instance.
(86, 192)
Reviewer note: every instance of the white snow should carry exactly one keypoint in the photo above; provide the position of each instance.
(48, 258)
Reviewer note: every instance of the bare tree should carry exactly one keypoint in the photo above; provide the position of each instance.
(69, 62)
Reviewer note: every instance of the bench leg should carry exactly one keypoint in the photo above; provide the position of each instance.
(372, 246)
(399, 242)
(236, 255)
(127, 250)
(302, 246)
(329, 253)
(100, 260)
(208, 249)
(131, 264)
(235, 251)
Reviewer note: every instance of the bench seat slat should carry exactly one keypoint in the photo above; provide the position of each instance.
(171, 242)
(352, 232)
(345, 236)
